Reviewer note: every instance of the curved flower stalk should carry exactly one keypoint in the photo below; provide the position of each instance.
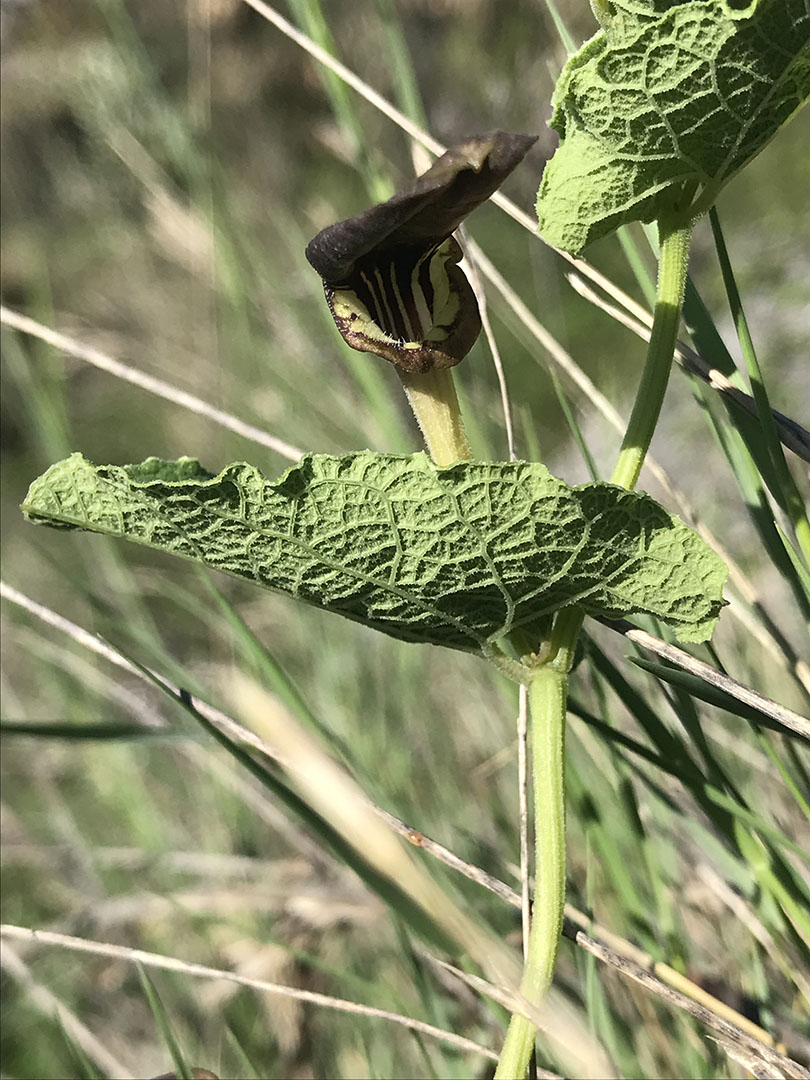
(391, 273)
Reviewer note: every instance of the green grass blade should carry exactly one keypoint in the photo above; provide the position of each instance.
(748, 474)
(574, 427)
(330, 837)
(85, 1069)
(311, 18)
(787, 777)
(706, 336)
(784, 488)
(95, 732)
(712, 695)
(164, 1026)
(560, 26)
(406, 88)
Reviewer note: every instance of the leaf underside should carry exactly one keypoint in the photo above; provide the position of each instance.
(669, 95)
(457, 556)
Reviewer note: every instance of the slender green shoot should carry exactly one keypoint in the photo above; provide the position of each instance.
(672, 267)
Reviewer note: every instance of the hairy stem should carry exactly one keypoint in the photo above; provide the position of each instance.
(673, 262)
(548, 692)
(432, 397)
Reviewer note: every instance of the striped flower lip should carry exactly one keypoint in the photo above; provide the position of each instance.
(391, 273)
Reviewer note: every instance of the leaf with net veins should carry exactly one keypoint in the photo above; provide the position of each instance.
(664, 105)
(458, 556)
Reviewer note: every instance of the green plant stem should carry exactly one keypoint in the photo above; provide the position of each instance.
(673, 262)
(548, 690)
(548, 693)
(433, 399)
(432, 396)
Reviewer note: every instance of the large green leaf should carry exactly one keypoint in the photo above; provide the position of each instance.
(670, 96)
(457, 556)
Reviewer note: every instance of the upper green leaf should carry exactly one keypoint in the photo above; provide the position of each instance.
(668, 101)
(457, 556)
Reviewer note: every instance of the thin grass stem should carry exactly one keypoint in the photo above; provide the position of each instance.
(147, 382)
(200, 971)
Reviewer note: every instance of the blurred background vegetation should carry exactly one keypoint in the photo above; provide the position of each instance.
(164, 166)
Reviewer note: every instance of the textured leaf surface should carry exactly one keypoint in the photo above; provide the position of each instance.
(669, 92)
(456, 556)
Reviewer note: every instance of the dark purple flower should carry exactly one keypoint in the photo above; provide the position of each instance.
(391, 273)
